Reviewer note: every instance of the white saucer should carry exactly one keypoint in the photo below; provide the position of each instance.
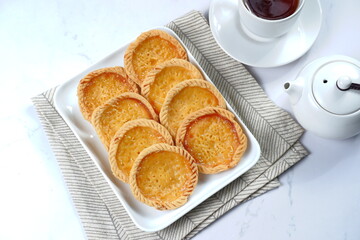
(229, 34)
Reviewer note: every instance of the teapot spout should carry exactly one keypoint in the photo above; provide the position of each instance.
(294, 90)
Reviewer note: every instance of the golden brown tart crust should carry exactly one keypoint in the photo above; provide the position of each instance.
(108, 118)
(100, 85)
(185, 98)
(163, 176)
(148, 50)
(163, 77)
(133, 137)
(213, 137)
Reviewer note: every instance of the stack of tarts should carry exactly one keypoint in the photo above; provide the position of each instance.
(160, 121)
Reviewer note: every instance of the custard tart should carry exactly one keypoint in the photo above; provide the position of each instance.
(163, 176)
(108, 118)
(148, 50)
(165, 76)
(185, 98)
(213, 137)
(133, 137)
(99, 86)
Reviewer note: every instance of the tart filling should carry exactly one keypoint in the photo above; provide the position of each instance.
(186, 98)
(163, 176)
(133, 137)
(148, 50)
(165, 76)
(213, 138)
(101, 85)
(108, 118)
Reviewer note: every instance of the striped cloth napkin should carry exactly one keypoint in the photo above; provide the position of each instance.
(101, 213)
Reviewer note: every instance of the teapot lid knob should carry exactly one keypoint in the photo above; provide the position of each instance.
(343, 83)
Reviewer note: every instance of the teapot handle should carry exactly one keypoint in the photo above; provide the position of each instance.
(355, 86)
(344, 83)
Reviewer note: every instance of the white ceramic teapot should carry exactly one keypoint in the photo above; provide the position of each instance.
(325, 97)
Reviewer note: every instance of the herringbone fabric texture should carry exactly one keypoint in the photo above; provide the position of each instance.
(102, 215)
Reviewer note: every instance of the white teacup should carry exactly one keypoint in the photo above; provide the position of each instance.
(256, 26)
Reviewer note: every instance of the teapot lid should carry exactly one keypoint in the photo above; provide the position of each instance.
(330, 83)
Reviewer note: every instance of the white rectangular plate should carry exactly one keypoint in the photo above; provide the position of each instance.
(145, 217)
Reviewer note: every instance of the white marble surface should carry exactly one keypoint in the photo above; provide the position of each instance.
(45, 42)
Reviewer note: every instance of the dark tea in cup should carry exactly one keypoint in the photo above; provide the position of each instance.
(272, 9)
